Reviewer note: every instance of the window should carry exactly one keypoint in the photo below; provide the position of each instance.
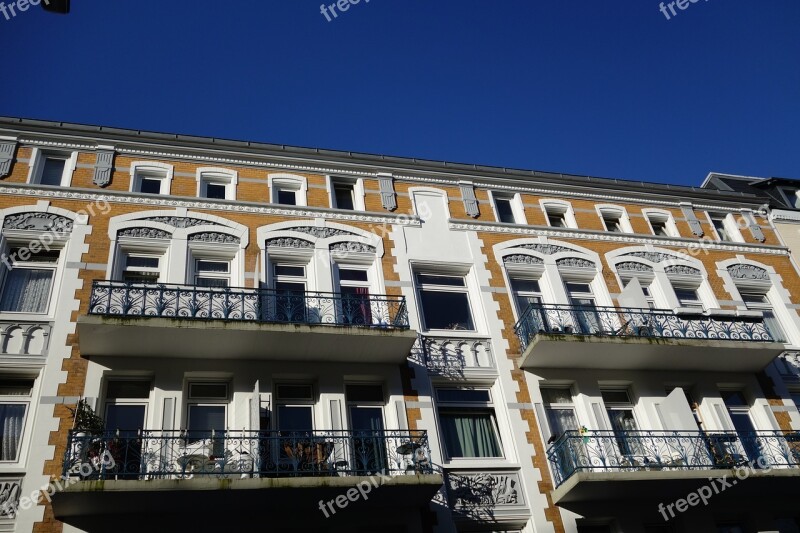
(295, 408)
(151, 177)
(469, 428)
(661, 224)
(556, 216)
(344, 195)
(365, 407)
(15, 396)
(28, 284)
(508, 208)
(52, 167)
(141, 268)
(791, 196)
(619, 408)
(688, 297)
(126, 405)
(289, 282)
(611, 221)
(526, 292)
(217, 183)
(758, 301)
(723, 226)
(355, 303)
(287, 189)
(648, 296)
(444, 302)
(587, 320)
(560, 411)
(207, 411)
(212, 273)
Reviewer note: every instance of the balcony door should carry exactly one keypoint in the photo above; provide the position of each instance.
(758, 301)
(289, 303)
(126, 409)
(355, 306)
(369, 454)
(619, 408)
(296, 446)
(586, 318)
(206, 418)
(739, 412)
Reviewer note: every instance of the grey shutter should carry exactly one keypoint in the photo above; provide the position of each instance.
(336, 415)
(7, 149)
(755, 229)
(691, 219)
(388, 196)
(400, 405)
(470, 201)
(103, 167)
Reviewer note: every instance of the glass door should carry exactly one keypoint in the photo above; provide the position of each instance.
(369, 441)
(739, 412)
(623, 423)
(126, 409)
(586, 318)
(355, 307)
(290, 302)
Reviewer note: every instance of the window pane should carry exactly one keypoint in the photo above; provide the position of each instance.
(213, 266)
(754, 298)
(352, 275)
(295, 418)
(140, 277)
(215, 190)
(150, 185)
(16, 387)
(446, 310)
(505, 213)
(295, 392)
(142, 262)
(42, 256)
(52, 171)
(579, 287)
(463, 395)
(206, 417)
(615, 396)
(343, 194)
(364, 393)
(469, 433)
(12, 418)
(125, 417)
(211, 282)
(287, 197)
(525, 285)
(217, 391)
(433, 279)
(128, 389)
(734, 398)
(285, 270)
(27, 290)
(560, 395)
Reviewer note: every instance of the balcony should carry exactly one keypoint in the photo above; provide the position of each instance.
(455, 356)
(232, 476)
(602, 466)
(573, 336)
(155, 320)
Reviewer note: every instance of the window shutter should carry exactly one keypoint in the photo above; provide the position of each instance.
(388, 196)
(103, 167)
(168, 420)
(7, 149)
(755, 229)
(691, 219)
(470, 201)
(541, 414)
(400, 406)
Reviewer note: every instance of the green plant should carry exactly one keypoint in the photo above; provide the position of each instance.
(86, 419)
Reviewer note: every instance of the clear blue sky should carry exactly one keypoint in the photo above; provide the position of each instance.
(606, 88)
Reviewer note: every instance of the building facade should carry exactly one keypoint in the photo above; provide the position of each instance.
(310, 340)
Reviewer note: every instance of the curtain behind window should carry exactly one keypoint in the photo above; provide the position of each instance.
(470, 435)
(27, 290)
(12, 417)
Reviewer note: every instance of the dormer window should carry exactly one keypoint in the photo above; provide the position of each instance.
(216, 183)
(558, 214)
(51, 167)
(151, 178)
(611, 221)
(287, 189)
(615, 219)
(508, 208)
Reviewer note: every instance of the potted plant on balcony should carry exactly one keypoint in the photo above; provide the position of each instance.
(87, 432)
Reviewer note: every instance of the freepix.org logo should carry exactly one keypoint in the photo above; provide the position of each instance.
(11, 9)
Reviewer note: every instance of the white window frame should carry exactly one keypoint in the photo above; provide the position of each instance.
(203, 401)
(151, 170)
(357, 185)
(124, 249)
(619, 212)
(466, 290)
(729, 223)
(214, 252)
(38, 155)
(55, 281)
(791, 195)
(464, 405)
(661, 216)
(559, 207)
(515, 200)
(28, 401)
(291, 182)
(217, 176)
(128, 401)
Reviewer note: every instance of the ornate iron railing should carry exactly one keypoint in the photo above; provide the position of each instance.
(247, 304)
(610, 451)
(152, 454)
(628, 322)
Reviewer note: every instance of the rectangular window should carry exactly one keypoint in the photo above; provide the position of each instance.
(758, 301)
(141, 269)
(344, 195)
(688, 298)
(206, 413)
(612, 221)
(150, 185)
(556, 217)
(52, 170)
(27, 287)
(526, 292)
(504, 209)
(623, 422)
(287, 196)
(560, 410)
(212, 273)
(15, 394)
(216, 191)
(658, 224)
(356, 306)
(718, 221)
(469, 427)
(295, 413)
(444, 302)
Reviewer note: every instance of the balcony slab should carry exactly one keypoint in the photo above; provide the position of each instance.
(208, 503)
(647, 353)
(127, 336)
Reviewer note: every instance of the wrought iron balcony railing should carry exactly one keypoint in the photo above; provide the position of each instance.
(628, 322)
(617, 451)
(118, 298)
(153, 454)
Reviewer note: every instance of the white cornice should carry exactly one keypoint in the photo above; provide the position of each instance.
(174, 202)
(784, 215)
(617, 238)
